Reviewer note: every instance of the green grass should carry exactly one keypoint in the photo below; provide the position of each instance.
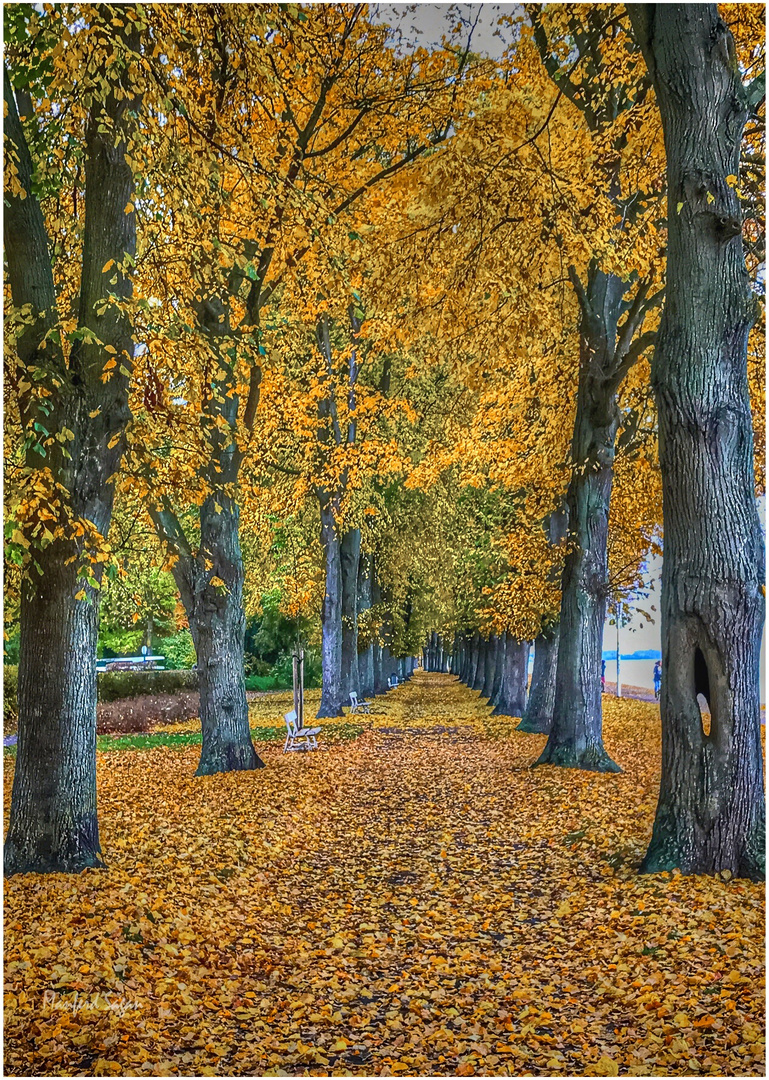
(265, 683)
(335, 732)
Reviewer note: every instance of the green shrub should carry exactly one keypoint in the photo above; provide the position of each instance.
(10, 697)
(113, 685)
(254, 666)
(283, 671)
(264, 682)
(178, 650)
(11, 647)
(119, 643)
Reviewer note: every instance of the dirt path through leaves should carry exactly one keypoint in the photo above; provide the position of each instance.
(418, 901)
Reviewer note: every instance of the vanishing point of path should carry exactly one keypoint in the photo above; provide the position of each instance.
(416, 901)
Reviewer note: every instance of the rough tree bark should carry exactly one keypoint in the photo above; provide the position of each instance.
(512, 694)
(366, 656)
(53, 820)
(349, 553)
(332, 695)
(711, 811)
(612, 314)
(210, 578)
(380, 683)
(341, 553)
(472, 658)
(464, 671)
(479, 646)
(218, 626)
(499, 667)
(538, 715)
(488, 665)
(607, 351)
(429, 652)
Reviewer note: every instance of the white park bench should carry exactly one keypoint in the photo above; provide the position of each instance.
(299, 738)
(364, 706)
(392, 682)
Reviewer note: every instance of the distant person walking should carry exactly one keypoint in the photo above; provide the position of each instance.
(657, 679)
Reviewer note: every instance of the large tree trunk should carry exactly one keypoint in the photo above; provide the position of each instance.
(218, 627)
(388, 666)
(476, 672)
(512, 695)
(499, 667)
(53, 823)
(350, 559)
(464, 671)
(53, 812)
(538, 715)
(711, 810)
(366, 656)
(608, 349)
(366, 671)
(380, 680)
(488, 666)
(576, 738)
(332, 695)
(210, 583)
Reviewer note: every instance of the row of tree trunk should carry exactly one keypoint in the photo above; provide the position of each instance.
(352, 666)
(497, 666)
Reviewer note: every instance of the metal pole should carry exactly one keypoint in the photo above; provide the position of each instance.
(619, 680)
(300, 710)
